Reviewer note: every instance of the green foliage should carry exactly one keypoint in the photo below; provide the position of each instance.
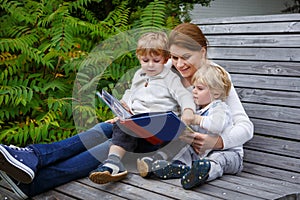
(52, 61)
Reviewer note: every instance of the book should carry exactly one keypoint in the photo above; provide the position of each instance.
(155, 127)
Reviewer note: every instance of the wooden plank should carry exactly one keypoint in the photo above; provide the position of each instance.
(7, 194)
(267, 82)
(277, 129)
(280, 186)
(245, 189)
(261, 67)
(286, 40)
(251, 28)
(171, 190)
(276, 161)
(263, 171)
(219, 192)
(279, 113)
(276, 146)
(260, 183)
(81, 191)
(255, 53)
(269, 97)
(53, 195)
(126, 190)
(247, 19)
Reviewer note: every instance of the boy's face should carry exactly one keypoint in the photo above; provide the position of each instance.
(201, 94)
(151, 64)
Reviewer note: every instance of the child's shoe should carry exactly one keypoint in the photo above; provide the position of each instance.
(109, 171)
(144, 165)
(19, 163)
(197, 175)
(168, 170)
(13, 185)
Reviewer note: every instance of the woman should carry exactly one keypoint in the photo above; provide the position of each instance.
(42, 167)
(188, 49)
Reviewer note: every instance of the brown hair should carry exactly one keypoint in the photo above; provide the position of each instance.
(215, 78)
(189, 36)
(155, 43)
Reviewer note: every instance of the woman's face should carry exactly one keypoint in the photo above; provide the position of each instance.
(186, 61)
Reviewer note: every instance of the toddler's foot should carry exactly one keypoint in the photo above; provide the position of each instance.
(144, 165)
(19, 163)
(168, 170)
(109, 171)
(197, 175)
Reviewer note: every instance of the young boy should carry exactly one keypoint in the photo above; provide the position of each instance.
(154, 88)
(211, 86)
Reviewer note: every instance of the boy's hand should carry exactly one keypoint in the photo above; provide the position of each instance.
(112, 121)
(125, 106)
(187, 116)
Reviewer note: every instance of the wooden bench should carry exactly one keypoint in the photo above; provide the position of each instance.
(262, 54)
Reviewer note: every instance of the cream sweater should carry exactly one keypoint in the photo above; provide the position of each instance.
(160, 93)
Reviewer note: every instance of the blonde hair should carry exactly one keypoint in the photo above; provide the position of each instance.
(215, 78)
(153, 43)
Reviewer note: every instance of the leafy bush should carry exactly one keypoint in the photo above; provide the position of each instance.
(44, 47)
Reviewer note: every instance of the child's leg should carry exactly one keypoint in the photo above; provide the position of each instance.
(112, 168)
(145, 165)
(214, 166)
(224, 162)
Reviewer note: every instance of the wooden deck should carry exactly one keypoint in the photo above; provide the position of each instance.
(243, 186)
(262, 54)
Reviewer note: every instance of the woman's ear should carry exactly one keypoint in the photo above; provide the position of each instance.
(203, 52)
(216, 95)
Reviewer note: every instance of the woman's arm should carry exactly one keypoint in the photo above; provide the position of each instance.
(242, 130)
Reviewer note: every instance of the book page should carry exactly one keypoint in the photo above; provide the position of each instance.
(114, 104)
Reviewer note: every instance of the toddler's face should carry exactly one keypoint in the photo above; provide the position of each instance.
(201, 94)
(152, 65)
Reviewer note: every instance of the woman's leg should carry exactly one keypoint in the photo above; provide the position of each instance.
(23, 163)
(61, 150)
(59, 173)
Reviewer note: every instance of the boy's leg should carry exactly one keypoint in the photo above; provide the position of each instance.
(113, 169)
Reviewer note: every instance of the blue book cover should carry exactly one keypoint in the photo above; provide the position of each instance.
(155, 127)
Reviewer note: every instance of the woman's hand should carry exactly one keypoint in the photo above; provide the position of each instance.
(202, 142)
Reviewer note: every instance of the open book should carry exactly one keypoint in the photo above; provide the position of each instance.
(155, 127)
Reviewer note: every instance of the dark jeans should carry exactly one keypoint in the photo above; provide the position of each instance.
(73, 158)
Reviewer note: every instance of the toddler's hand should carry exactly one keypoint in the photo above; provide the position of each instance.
(187, 116)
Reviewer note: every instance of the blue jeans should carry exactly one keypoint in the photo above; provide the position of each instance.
(73, 158)
(69, 159)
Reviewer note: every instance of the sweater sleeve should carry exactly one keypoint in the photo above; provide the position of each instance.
(242, 130)
(183, 96)
(218, 118)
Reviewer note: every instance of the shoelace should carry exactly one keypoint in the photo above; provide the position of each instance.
(20, 148)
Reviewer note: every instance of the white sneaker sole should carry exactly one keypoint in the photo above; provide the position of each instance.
(15, 168)
(13, 186)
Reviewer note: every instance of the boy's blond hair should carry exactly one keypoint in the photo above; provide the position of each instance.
(215, 78)
(153, 43)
